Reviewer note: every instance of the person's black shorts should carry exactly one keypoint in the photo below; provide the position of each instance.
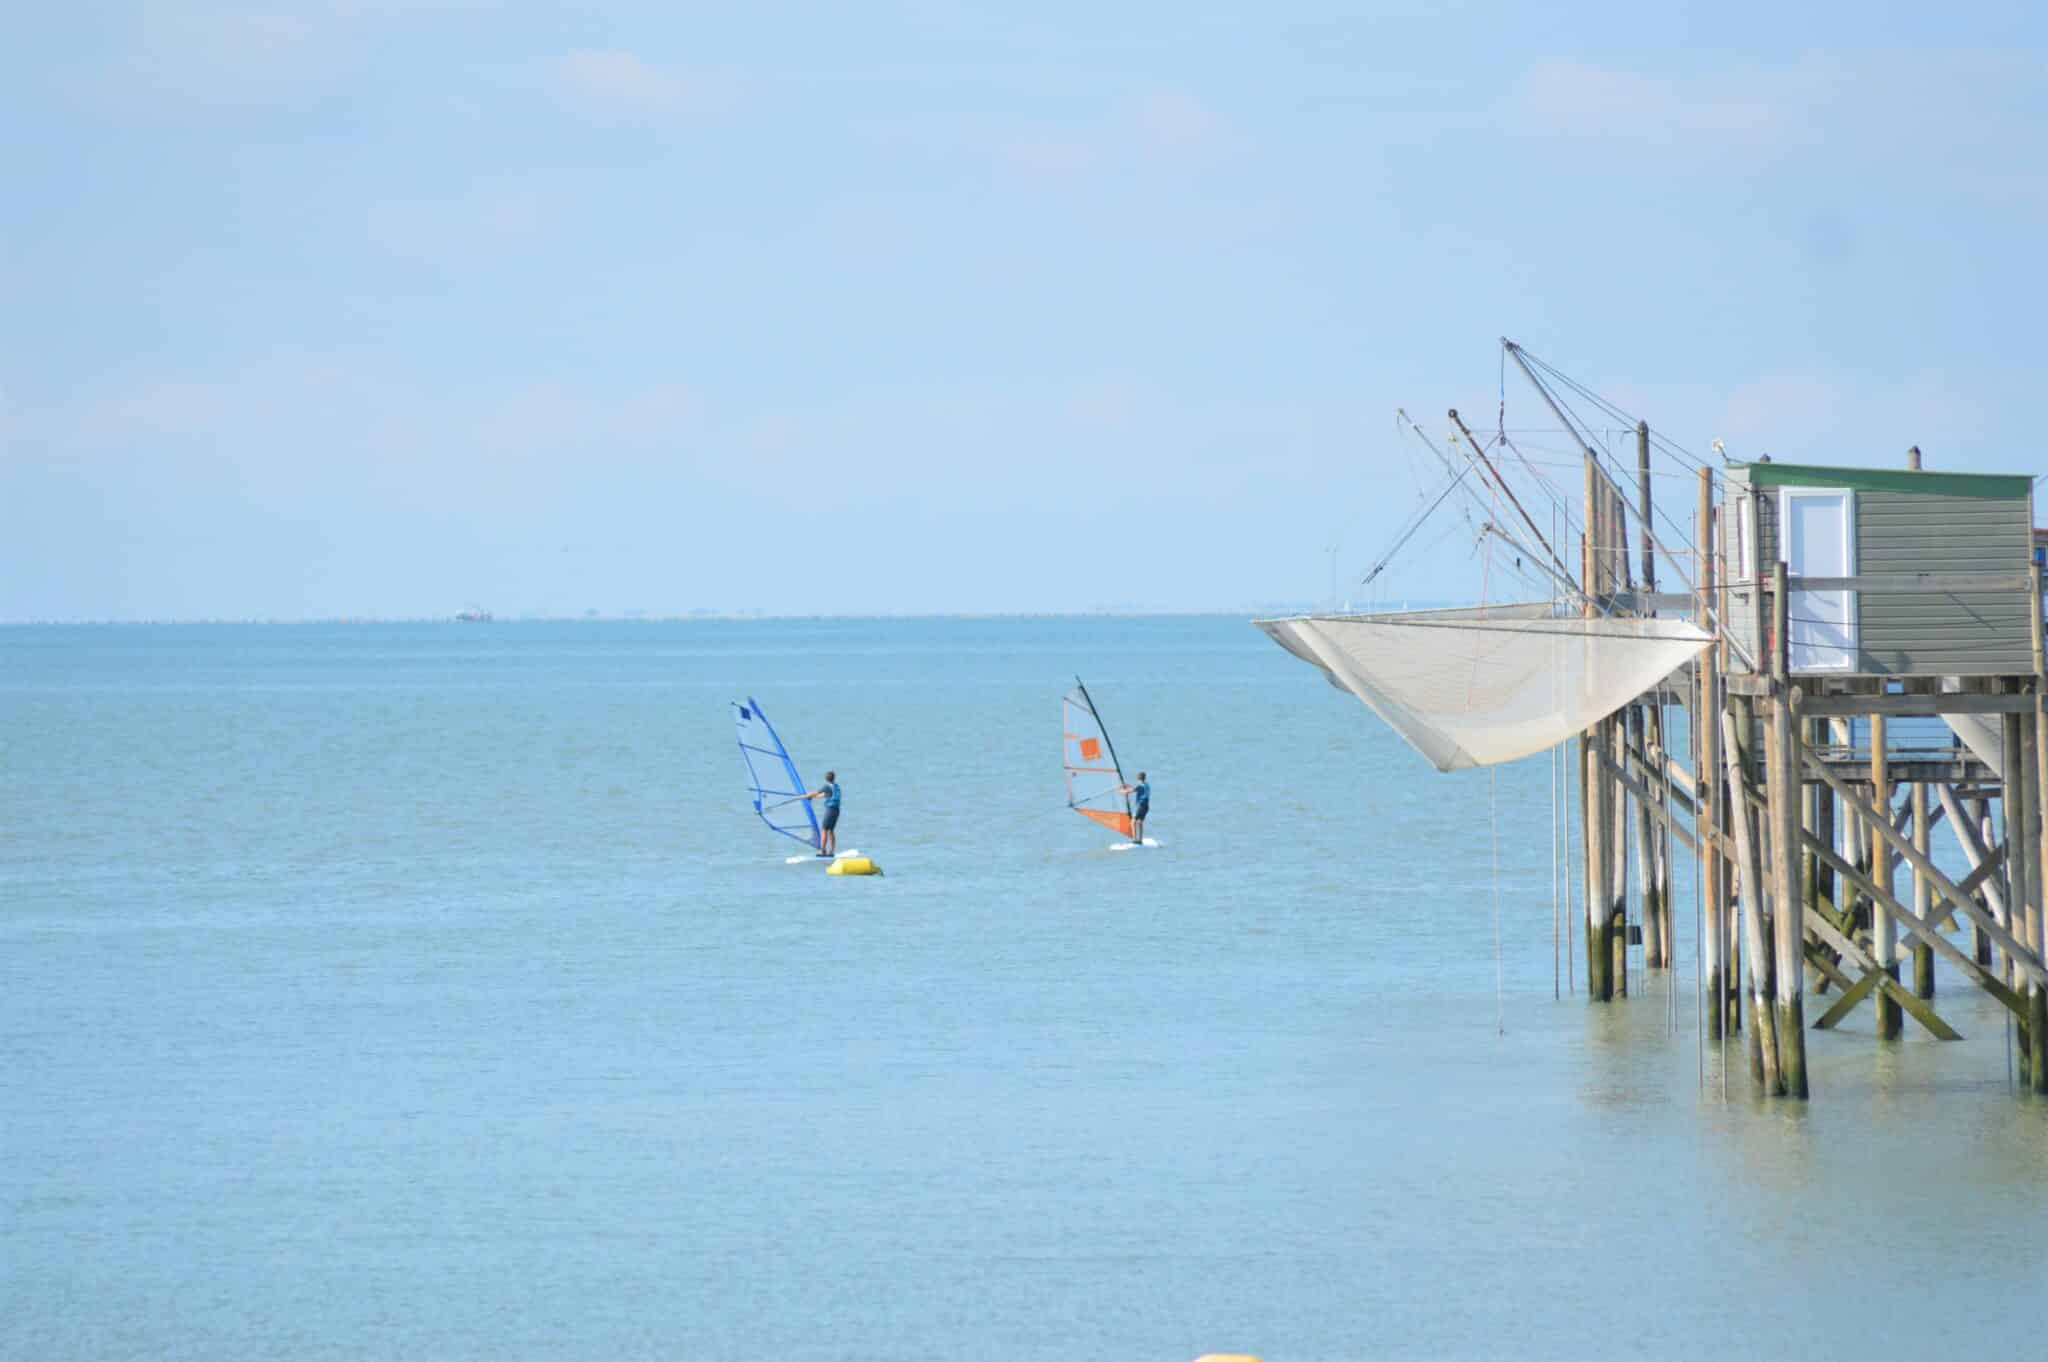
(1140, 812)
(831, 820)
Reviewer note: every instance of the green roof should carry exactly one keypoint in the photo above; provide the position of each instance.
(1983, 486)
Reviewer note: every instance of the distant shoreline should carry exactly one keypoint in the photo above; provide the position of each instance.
(1247, 612)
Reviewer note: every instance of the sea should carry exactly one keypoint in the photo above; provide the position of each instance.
(431, 991)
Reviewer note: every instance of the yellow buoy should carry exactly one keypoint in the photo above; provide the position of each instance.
(853, 865)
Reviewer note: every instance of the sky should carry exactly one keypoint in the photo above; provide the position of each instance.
(385, 307)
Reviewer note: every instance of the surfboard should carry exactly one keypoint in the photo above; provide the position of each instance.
(815, 859)
(1133, 846)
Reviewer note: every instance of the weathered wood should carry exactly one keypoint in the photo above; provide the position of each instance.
(1828, 933)
(1851, 995)
(1617, 920)
(1923, 897)
(1941, 883)
(1593, 808)
(2038, 830)
(1884, 936)
(1981, 943)
(1749, 889)
(1914, 705)
(2019, 849)
(1646, 842)
(1706, 774)
(1989, 982)
(1983, 864)
(1789, 913)
(1913, 583)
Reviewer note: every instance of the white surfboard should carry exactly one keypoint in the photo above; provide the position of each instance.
(811, 858)
(1133, 846)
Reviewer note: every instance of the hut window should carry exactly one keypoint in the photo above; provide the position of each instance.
(1817, 538)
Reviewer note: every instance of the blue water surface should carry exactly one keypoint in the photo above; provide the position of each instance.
(430, 991)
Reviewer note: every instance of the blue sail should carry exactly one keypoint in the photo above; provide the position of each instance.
(772, 780)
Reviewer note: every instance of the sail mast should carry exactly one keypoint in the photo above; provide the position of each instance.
(1103, 728)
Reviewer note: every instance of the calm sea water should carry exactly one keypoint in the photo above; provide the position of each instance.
(430, 992)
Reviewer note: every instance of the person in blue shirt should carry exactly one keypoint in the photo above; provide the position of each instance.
(1141, 804)
(829, 824)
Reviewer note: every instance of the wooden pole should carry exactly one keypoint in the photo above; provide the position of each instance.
(2026, 906)
(1789, 925)
(1884, 933)
(1614, 545)
(1980, 940)
(1617, 917)
(1923, 892)
(1707, 772)
(1763, 1049)
(2038, 834)
(1656, 869)
(1646, 853)
(2016, 848)
(1592, 781)
(2019, 851)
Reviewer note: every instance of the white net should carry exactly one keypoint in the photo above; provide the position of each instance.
(1478, 686)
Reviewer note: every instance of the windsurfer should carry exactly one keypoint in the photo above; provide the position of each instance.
(1141, 804)
(828, 835)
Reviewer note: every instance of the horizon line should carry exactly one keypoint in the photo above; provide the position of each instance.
(703, 617)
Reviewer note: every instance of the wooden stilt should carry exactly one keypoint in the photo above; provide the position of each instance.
(2037, 901)
(2018, 848)
(1788, 924)
(1593, 807)
(1980, 810)
(1597, 823)
(2027, 910)
(1884, 933)
(1923, 895)
(1782, 749)
(1646, 842)
(1706, 730)
(2020, 851)
(1617, 914)
(1763, 1049)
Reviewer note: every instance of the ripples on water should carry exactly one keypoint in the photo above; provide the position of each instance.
(428, 991)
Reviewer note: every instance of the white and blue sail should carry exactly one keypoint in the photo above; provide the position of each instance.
(772, 780)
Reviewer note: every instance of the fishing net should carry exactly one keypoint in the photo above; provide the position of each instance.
(1479, 686)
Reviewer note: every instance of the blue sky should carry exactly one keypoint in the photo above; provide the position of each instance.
(368, 307)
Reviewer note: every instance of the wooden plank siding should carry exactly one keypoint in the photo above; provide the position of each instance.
(1952, 634)
(1968, 633)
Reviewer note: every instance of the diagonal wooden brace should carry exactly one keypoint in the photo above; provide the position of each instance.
(2022, 958)
(1920, 927)
(1821, 926)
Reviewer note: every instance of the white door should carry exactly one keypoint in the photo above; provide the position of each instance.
(1817, 538)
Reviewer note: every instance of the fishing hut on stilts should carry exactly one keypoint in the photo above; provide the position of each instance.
(1855, 656)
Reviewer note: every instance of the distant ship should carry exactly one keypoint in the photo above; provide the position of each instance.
(473, 614)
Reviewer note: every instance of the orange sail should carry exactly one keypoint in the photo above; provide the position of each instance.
(1116, 822)
(1096, 787)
